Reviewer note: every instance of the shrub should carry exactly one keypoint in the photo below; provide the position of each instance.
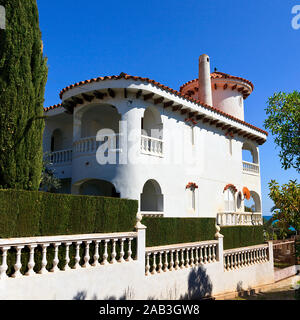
(33, 213)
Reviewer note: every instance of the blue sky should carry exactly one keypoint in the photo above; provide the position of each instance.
(162, 40)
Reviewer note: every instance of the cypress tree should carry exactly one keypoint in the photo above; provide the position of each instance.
(23, 76)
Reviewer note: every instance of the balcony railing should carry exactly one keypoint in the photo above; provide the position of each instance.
(60, 157)
(151, 146)
(90, 145)
(249, 167)
(239, 218)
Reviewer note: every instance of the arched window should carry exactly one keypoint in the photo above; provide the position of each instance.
(229, 200)
(152, 197)
(56, 140)
(249, 153)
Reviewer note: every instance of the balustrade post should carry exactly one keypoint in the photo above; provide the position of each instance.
(4, 266)
(87, 254)
(154, 263)
(67, 257)
(44, 259)
(147, 267)
(177, 260)
(55, 260)
(122, 253)
(31, 262)
(166, 264)
(77, 256)
(105, 254)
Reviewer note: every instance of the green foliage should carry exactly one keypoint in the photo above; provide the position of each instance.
(33, 213)
(164, 231)
(247, 209)
(48, 180)
(23, 75)
(242, 236)
(286, 200)
(283, 120)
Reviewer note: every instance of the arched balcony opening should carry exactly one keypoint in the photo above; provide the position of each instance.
(100, 120)
(56, 140)
(152, 199)
(255, 202)
(152, 132)
(97, 117)
(250, 158)
(60, 151)
(95, 187)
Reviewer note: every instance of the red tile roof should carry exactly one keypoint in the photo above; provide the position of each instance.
(136, 78)
(53, 107)
(220, 75)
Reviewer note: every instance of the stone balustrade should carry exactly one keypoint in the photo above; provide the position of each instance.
(175, 257)
(151, 146)
(103, 247)
(239, 218)
(90, 144)
(60, 157)
(86, 145)
(243, 257)
(249, 167)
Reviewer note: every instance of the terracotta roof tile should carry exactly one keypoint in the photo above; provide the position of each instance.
(178, 93)
(220, 75)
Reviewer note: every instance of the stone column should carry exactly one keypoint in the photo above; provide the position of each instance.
(141, 242)
(220, 252)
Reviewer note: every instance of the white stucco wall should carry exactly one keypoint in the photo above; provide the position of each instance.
(208, 162)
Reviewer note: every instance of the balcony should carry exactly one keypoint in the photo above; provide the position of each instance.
(63, 157)
(239, 219)
(250, 168)
(151, 146)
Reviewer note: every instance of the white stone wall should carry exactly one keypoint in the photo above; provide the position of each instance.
(128, 281)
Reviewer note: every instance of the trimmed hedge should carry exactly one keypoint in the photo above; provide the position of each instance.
(242, 236)
(164, 231)
(34, 213)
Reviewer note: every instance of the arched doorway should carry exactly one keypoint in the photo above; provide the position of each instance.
(95, 187)
(151, 197)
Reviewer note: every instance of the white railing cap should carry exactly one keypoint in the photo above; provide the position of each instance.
(65, 238)
(151, 138)
(181, 246)
(58, 151)
(251, 163)
(259, 246)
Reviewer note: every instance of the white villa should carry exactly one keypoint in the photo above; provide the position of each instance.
(180, 153)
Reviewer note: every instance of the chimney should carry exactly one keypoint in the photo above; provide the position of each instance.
(204, 91)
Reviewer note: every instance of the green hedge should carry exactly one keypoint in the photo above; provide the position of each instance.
(34, 213)
(242, 236)
(164, 231)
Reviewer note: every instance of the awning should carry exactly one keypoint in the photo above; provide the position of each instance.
(231, 186)
(246, 193)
